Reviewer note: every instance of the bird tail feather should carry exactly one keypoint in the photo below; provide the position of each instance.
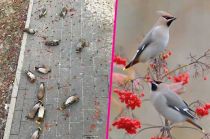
(193, 123)
(133, 62)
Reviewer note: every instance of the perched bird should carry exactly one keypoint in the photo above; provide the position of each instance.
(42, 69)
(155, 41)
(41, 91)
(69, 101)
(34, 110)
(41, 114)
(29, 31)
(36, 133)
(53, 42)
(31, 76)
(170, 105)
(43, 12)
(63, 12)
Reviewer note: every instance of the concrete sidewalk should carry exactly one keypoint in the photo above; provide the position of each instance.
(85, 73)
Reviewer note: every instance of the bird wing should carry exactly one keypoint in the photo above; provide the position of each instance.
(184, 111)
(189, 107)
(144, 44)
(176, 103)
(139, 51)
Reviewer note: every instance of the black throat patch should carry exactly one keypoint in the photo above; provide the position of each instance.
(169, 22)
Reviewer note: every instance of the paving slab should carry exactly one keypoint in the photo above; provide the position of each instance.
(85, 73)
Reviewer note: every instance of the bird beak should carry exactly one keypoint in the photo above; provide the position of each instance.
(174, 18)
(170, 21)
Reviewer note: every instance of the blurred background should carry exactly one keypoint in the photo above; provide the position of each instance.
(190, 33)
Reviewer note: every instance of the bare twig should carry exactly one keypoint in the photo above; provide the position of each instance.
(198, 61)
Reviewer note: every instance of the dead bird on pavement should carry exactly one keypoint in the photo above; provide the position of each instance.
(34, 110)
(36, 133)
(29, 31)
(82, 44)
(69, 101)
(42, 69)
(31, 76)
(63, 12)
(53, 42)
(41, 114)
(43, 12)
(41, 91)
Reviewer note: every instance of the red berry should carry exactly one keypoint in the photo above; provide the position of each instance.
(165, 70)
(183, 77)
(120, 61)
(142, 94)
(152, 66)
(200, 111)
(207, 106)
(169, 53)
(130, 99)
(128, 124)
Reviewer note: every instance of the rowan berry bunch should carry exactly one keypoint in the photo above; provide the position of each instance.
(129, 98)
(166, 55)
(128, 124)
(182, 77)
(203, 110)
(119, 60)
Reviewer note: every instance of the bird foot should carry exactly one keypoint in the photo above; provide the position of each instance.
(166, 131)
(165, 128)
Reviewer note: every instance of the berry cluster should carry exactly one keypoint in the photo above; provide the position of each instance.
(203, 110)
(129, 98)
(119, 60)
(130, 125)
(166, 56)
(183, 77)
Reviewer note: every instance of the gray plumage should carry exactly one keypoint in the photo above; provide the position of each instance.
(170, 105)
(155, 41)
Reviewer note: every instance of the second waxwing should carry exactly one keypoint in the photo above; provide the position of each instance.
(69, 101)
(34, 110)
(41, 91)
(36, 133)
(31, 77)
(170, 105)
(42, 69)
(41, 113)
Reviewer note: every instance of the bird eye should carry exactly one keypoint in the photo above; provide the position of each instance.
(167, 17)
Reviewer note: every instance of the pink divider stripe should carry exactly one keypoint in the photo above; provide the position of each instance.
(111, 69)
